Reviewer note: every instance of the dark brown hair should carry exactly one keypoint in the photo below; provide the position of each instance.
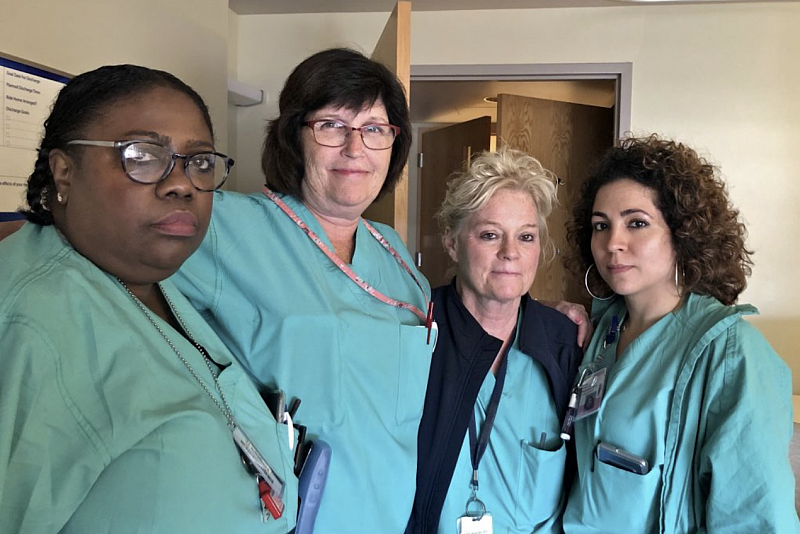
(340, 77)
(707, 234)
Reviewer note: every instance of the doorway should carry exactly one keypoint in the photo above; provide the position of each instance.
(564, 115)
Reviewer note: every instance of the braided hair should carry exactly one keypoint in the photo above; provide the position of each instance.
(83, 100)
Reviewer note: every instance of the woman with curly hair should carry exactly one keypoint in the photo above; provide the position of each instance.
(682, 410)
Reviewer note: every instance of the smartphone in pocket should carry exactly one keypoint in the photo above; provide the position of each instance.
(622, 459)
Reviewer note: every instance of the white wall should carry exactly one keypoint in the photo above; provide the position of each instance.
(725, 78)
(188, 38)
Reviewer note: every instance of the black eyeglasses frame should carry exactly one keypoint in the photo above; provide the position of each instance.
(122, 145)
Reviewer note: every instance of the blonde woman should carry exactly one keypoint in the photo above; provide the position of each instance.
(489, 445)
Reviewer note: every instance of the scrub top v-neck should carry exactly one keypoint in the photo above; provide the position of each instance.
(520, 475)
(298, 323)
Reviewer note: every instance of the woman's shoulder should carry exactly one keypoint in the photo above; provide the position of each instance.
(555, 324)
(705, 318)
(39, 270)
(232, 208)
(723, 334)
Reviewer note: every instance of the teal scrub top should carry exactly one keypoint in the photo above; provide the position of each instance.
(520, 476)
(102, 427)
(703, 398)
(296, 322)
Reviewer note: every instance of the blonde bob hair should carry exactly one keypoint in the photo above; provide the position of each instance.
(490, 172)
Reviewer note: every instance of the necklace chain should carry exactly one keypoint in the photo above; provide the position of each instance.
(224, 407)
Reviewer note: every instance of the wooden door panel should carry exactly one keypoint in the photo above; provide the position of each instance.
(445, 151)
(394, 51)
(566, 138)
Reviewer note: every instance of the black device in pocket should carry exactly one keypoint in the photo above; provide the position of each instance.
(275, 400)
(611, 455)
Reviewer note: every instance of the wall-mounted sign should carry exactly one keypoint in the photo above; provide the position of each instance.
(27, 92)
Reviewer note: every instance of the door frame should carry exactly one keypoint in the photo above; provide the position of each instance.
(622, 73)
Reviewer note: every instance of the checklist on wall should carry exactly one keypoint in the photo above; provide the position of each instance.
(27, 93)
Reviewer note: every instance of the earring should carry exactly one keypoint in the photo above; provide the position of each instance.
(59, 198)
(586, 283)
(683, 275)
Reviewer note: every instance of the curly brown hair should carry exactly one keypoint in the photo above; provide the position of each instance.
(707, 234)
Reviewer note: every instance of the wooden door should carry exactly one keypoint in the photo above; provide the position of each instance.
(566, 138)
(444, 152)
(394, 51)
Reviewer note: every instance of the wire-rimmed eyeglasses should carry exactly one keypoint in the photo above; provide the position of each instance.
(148, 162)
(333, 133)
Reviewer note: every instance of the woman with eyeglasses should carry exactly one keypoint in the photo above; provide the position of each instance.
(317, 301)
(120, 409)
(683, 410)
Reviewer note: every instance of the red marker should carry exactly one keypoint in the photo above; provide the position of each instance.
(429, 321)
(273, 504)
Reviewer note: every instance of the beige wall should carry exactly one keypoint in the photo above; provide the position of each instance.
(725, 78)
(188, 38)
(233, 67)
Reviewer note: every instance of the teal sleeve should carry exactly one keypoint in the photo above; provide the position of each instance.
(745, 475)
(198, 279)
(49, 454)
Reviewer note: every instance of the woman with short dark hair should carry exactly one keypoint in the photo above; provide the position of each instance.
(319, 302)
(342, 78)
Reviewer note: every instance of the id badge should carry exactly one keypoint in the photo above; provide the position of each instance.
(257, 462)
(474, 525)
(590, 394)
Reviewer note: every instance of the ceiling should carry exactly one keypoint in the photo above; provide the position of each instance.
(459, 101)
(252, 7)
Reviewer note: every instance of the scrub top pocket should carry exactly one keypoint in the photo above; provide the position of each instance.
(541, 481)
(312, 367)
(414, 363)
(621, 496)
